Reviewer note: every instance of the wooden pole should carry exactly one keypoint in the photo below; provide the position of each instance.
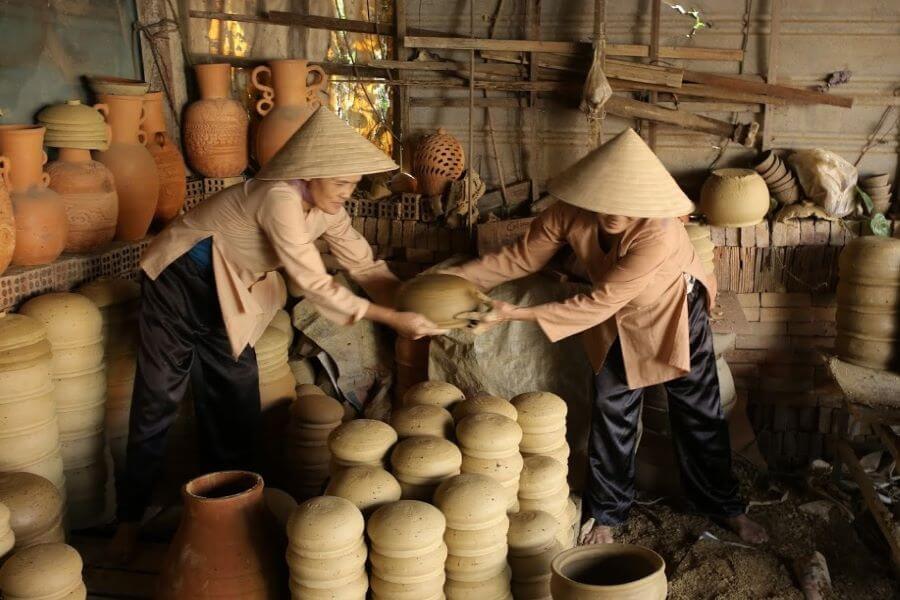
(400, 123)
(655, 18)
(498, 164)
(470, 188)
(600, 42)
(533, 32)
(772, 69)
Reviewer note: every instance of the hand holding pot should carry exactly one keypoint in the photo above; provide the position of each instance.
(499, 312)
(414, 326)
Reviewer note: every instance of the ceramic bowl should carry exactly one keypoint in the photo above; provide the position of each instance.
(439, 297)
(538, 443)
(367, 488)
(789, 196)
(560, 454)
(435, 393)
(606, 571)
(877, 180)
(778, 171)
(120, 86)
(26, 444)
(428, 457)
(42, 571)
(354, 590)
(485, 403)
(471, 501)
(541, 476)
(734, 198)
(24, 378)
(362, 440)
(554, 504)
(401, 528)
(540, 411)
(486, 435)
(325, 523)
(768, 160)
(881, 205)
(72, 113)
(784, 185)
(422, 419)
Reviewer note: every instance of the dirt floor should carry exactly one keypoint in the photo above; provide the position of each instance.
(706, 569)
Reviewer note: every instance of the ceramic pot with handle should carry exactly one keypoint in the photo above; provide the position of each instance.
(169, 163)
(7, 220)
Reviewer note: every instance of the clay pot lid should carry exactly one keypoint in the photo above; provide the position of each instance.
(365, 486)
(542, 473)
(71, 319)
(33, 501)
(325, 523)
(422, 419)
(71, 112)
(406, 525)
(22, 339)
(436, 393)
(440, 297)
(489, 432)
(272, 342)
(426, 456)
(308, 389)
(317, 409)
(471, 501)
(363, 440)
(485, 403)
(531, 531)
(110, 292)
(118, 86)
(538, 410)
(44, 570)
(282, 321)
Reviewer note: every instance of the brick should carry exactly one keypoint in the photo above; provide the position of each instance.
(746, 356)
(838, 234)
(785, 234)
(785, 314)
(717, 235)
(816, 328)
(771, 328)
(778, 299)
(762, 235)
(396, 234)
(751, 314)
(748, 300)
(793, 356)
(760, 342)
(807, 232)
(788, 370)
(370, 230)
(824, 313)
(823, 233)
(383, 234)
(743, 369)
(731, 236)
(747, 236)
(419, 255)
(409, 234)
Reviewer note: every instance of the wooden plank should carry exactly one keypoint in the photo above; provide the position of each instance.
(793, 94)
(635, 109)
(329, 67)
(620, 69)
(699, 90)
(464, 102)
(493, 236)
(400, 95)
(650, 131)
(311, 21)
(771, 68)
(516, 193)
(448, 65)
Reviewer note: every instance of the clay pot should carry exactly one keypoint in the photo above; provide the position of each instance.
(286, 104)
(327, 572)
(7, 537)
(226, 529)
(107, 84)
(387, 590)
(488, 435)
(426, 459)
(493, 588)
(471, 502)
(45, 571)
(540, 412)
(354, 589)
(361, 441)
(215, 127)
(325, 526)
(438, 160)
(36, 508)
(404, 528)
(439, 297)
(503, 469)
(768, 161)
(132, 166)
(89, 196)
(485, 403)
(620, 571)
(875, 180)
(7, 219)
(481, 567)
(734, 198)
(75, 125)
(38, 212)
(422, 419)
(169, 163)
(368, 488)
(434, 393)
(476, 542)
(542, 477)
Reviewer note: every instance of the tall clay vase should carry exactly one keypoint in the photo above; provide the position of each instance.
(132, 166)
(215, 127)
(169, 163)
(7, 220)
(40, 217)
(89, 195)
(228, 544)
(286, 104)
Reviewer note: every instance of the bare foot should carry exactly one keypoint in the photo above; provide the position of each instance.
(122, 547)
(599, 534)
(749, 531)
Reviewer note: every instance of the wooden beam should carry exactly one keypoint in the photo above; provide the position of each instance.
(655, 17)
(772, 68)
(448, 65)
(620, 69)
(400, 125)
(699, 90)
(464, 102)
(793, 94)
(533, 157)
(274, 17)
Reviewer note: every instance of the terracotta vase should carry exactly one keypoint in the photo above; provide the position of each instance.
(608, 571)
(7, 220)
(132, 166)
(39, 214)
(169, 162)
(215, 127)
(286, 104)
(228, 544)
(89, 195)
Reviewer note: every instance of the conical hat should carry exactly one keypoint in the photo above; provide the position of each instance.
(325, 146)
(622, 177)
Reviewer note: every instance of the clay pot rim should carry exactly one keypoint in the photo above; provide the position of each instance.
(766, 163)
(29, 127)
(603, 550)
(192, 489)
(734, 172)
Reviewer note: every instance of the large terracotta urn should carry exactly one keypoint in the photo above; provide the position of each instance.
(169, 163)
(132, 166)
(286, 104)
(40, 217)
(228, 544)
(607, 572)
(215, 127)
(89, 195)
(7, 220)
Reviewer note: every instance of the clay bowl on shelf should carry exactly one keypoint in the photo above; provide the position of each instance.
(881, 179)
(122, 86)
(783, 186)
(776, 171)
(440, 297)
(788, 196)
(877, 190)
(768, 161)
(608, 571)
(781, 181)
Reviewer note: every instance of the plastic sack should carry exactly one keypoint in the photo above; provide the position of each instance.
(596, 88)
(827, 179)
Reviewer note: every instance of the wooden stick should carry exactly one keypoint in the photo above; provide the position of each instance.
(331, 68)
(400, 94)
(533, 33)
(794, 94)
(312, 22)
(498, 164)
(700, 90)
(620, 69)
(771, 69)
(464, 103)
(655, 17)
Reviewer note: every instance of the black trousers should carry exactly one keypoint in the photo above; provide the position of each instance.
(699, 432)
(182, 339)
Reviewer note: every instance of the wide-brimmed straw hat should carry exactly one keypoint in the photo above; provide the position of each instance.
(622, 177)
(323, 147)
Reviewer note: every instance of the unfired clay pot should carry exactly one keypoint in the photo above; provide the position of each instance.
(476, 542)
(440, 298)
(215, 127)
(7, 537)
(539, 412)
(368, 488)
(422, 419)
(7, 220)
(492, 588)
(169, 163)
(362, 441)
(44, 571)
(484, 403)
(325, 526)
(405, 528)
(734, 198)
(609, 571)
(35, 506)
(88, 193)
(435, 393)
(488, 435)
(226, 529)
(471, 502)
(132, 166)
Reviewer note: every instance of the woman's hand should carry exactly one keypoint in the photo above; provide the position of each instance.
(500, 312)
(413, 325)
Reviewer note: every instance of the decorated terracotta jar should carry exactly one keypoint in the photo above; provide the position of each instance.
(169, 163)
(89, 195)
(7, 220)
(215, 127)
(437, 161)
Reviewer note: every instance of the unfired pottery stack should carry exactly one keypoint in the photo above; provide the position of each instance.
(779, 179)
(485, 403)
(422, 463)
(361, 442)
(35, 507)
(75, 330)
(542, 417)
(307, 458)
(368, 488)
(532, 547)
(435, 393)
(276, 380)
(878, 187)
(490, 446)
(7, 537)
(422, 419)
(327, 551)
(29, 430)
(477, 525)
(543, 487)
(43, 572)
(703, 245)
(408, 551)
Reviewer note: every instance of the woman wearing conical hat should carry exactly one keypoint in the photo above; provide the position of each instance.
(211, 288)
(644, 322)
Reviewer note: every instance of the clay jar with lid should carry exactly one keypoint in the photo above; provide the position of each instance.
(484, 403)
(43, 572)
(368, 488)
(607, 572)
(361, 442)
(39, 213)
(440, 297)
(542, 416)
(422, 419)
(35, 506)
(215, 127)
(7, 220)
(169, 163)
(421, 463)
(434, 393)
(734, 198)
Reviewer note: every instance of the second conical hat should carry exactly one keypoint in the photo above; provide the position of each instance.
(622, 177)
(325, 146)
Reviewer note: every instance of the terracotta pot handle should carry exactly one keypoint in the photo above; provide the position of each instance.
(103, 109)
(4, 170)
(142, 138)
(44, 157)
(265, 104)
(108, 134)
(143, 115)
(318, 82)
(160, 138)
(45, 179)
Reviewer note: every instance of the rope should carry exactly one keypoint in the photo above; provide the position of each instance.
(872, 141)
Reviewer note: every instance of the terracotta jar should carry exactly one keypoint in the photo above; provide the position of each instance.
(441, 298)
(368, 488)
(734, 198)
(608, 571)
(435, 393)
(169, 163)
(43, 572)
(438, 160)
(215, 127)
(226, 529)
(285, 105)
(40, 217)
(7, 220)
(36, 508)
(132, 166)
(89, 195)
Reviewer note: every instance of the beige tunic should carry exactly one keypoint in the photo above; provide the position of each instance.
(638, 288)
(258, 227)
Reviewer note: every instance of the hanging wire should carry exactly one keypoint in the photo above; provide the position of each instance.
(874, 140)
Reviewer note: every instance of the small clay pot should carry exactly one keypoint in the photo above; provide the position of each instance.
(875, 180)
(777, 172)
(485, 403)
(609, 571)
(402, 529)
(767, 162)
(325, 526)
(368, 488)
(734, 198)
(437, 161)
(789, 196)
(88, 193)
(361, 441)
(422, 419)
(471, 501)
(35, 507)
(440, 298)
(43, 571)
(435, 393)
(488, 435)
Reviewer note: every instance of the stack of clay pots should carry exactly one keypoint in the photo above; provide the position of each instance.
(75, 331)
(542, 417)
(411, 359)
(703, 245)
(532, 547)
(543, 487)
(878, 187)
(440, 297)
(422, 463)
(477, 525)
(868, 303)
(276, 380)
(29, 430)
(327, 550)
(368, 488)
(119, 303)
(434, 393)
(43, 572)
(408, 551)
(422, 419)
(779, 179)
(484, 403)
(306, 455)
(490, 446)
(7, 537)
(734, 198)
(361, 442)
(35, 506)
